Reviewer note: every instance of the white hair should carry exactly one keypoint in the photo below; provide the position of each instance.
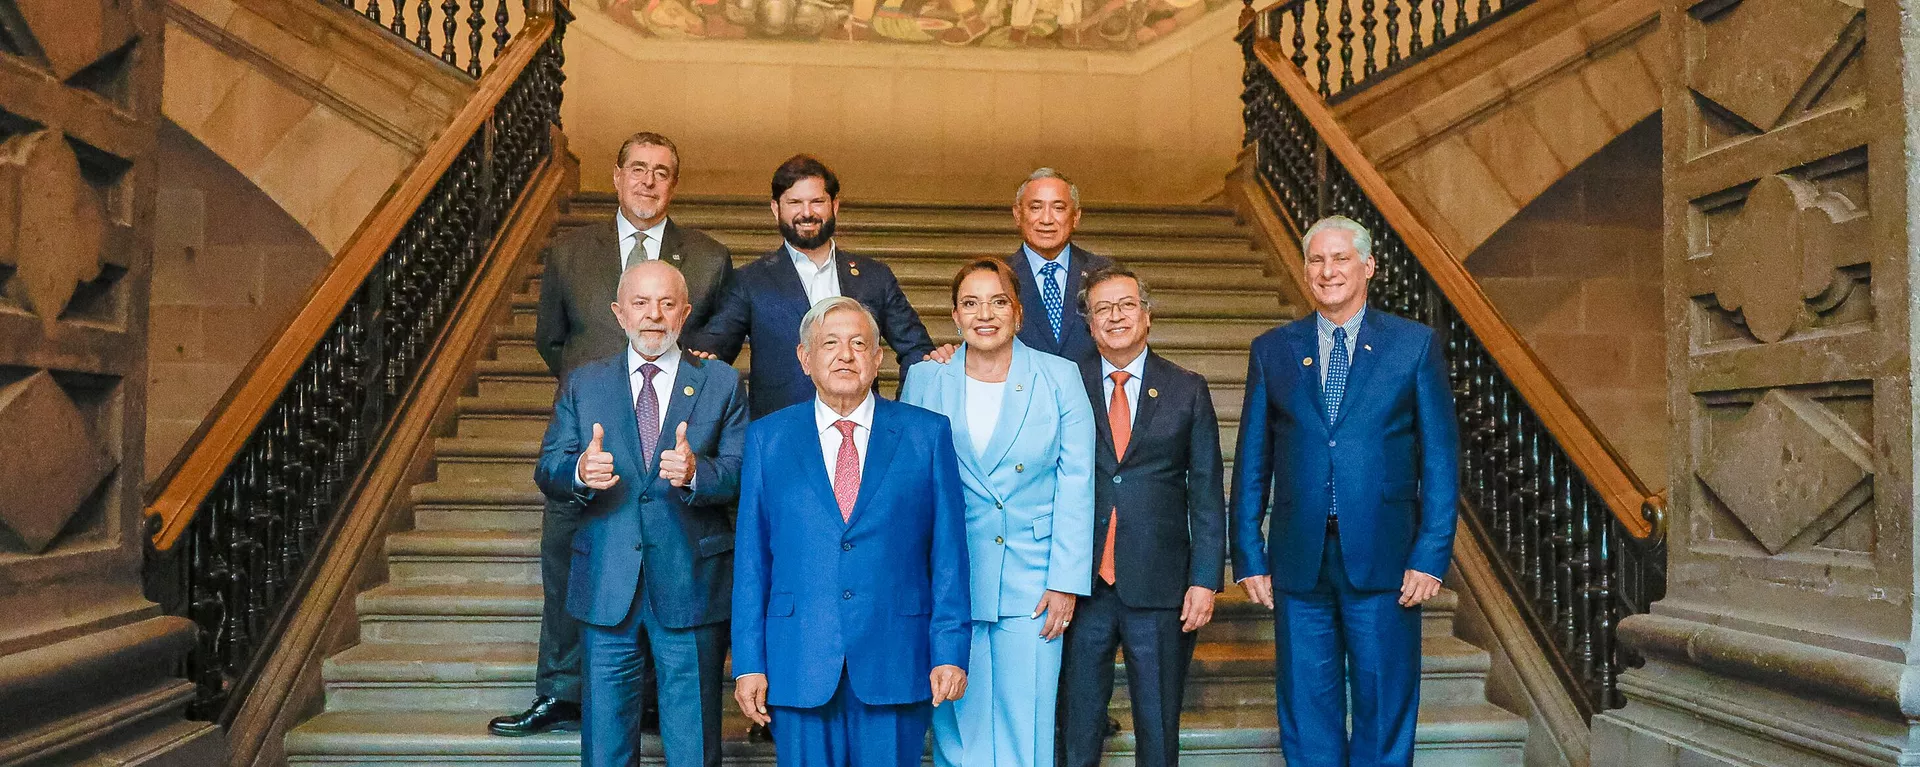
(1362, 239)
(1073, 190)
(827, 306)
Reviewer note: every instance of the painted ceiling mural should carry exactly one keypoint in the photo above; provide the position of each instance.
(1071, 24)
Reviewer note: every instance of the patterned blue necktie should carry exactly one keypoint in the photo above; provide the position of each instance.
(1331, 393)
(1050, 295)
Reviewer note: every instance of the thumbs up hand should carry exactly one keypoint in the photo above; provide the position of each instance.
(676, 465)
(596, 464)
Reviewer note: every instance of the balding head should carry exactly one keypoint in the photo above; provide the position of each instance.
(652, 306)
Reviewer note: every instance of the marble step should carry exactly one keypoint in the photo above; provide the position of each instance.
(1466, 735)
(1101, 220)
(954, 249)
(495, 677)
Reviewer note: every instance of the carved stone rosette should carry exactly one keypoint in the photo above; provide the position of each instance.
(1783, 638)
(87, 663)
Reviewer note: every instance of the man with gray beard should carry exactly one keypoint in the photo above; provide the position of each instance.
(648, 442)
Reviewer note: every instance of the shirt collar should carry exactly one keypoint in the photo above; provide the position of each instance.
(801, 259)
(862, 416)
(1037, 262)
(1135, 369)
(1352, 324)
(667, 362)
(626, 228)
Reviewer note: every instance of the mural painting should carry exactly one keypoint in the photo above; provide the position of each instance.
(1070, 24)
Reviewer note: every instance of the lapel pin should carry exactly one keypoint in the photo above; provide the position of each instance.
(1307, 361)
(853, 271)
(687, 391)
(1368, 347)
(1153, 392)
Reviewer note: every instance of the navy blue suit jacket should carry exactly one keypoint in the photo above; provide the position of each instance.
(765, 301)
(1075, 342)
(1392, 453)
(884, 594)
(681, 539)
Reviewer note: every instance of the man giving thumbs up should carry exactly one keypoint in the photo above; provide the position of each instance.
(653, 555)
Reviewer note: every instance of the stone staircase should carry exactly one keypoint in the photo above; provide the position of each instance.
(448, 641)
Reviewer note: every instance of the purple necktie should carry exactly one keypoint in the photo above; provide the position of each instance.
(646, 410)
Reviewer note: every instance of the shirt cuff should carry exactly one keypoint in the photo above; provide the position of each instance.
(743, 676)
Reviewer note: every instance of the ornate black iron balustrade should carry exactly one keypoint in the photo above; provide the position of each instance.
(1568, 560)
(435, 27)
(241, 563)
(1307, 31)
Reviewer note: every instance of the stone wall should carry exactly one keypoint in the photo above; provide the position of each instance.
(920, 122)
(229, 267)
(1578, 272)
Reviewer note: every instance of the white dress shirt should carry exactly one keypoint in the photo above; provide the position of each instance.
(983, 400)
(1135, 370)
(628, 231)
(669, 364)
(819, 281)
(830, 436)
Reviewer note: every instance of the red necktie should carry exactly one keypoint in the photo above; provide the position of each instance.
(1120, 421)
(846, 471)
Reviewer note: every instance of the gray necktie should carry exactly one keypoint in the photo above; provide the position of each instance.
(639, 251)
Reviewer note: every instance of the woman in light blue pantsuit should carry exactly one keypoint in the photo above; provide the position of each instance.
(1023, 429)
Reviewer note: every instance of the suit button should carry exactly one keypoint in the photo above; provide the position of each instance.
(646, 498)
(639, 546)
(998, 505)
(1116, 479)
(1019, 467)
(846, 547)
(846, 595)
(1333, 443)
(999, 539)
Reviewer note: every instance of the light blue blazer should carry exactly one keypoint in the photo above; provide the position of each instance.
(1030, 495)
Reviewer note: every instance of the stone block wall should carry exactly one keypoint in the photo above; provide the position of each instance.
(1578, 272)
(229, 267)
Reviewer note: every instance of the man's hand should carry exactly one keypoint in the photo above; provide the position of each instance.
(944, 354)
(703, 355)
(596, 465)
(1058, 607)
(1197, 609)
(1417, 587)
(676, 465)
(949, 683)
(1259, 589)
(750, 692)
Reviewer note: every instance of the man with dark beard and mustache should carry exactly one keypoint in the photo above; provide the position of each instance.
(766, 299)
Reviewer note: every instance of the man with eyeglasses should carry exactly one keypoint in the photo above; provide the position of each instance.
(581, 276)
(1159, 524)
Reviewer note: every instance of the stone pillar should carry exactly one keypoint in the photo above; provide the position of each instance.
(1790, 604)
(87, 663)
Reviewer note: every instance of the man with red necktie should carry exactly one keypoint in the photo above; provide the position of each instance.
(1160, 527)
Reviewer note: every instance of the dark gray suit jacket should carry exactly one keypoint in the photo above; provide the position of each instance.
(576, 323)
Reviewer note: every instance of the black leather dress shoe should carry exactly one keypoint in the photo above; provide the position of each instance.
(546, 715)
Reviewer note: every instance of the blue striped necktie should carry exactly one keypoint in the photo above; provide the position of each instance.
(1331, 393)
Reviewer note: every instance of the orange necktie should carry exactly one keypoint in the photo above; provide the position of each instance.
(1120, 421)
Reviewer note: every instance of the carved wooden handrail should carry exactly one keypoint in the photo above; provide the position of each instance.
(256, 390)
(1626, 496)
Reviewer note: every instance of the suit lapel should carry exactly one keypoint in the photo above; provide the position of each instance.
(1305, 344)
(1096, 391)
(813, 473)
(881, 441)
(1362, 362)
(687, 382)
(848, 270)
(786, 281)
(620, 420)
(670, 245)
(1153, 375)
(1013, 406)
(952, 387)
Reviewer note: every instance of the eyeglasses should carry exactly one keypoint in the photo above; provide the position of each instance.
(1127, 308)
(661, 173)
(972, 305)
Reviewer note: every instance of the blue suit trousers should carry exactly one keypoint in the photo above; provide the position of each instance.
(1335, 640)
(688, 664)
(848, 733)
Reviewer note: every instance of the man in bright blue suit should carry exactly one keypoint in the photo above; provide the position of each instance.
(850, 574)
(1349, 421)
(649, 442)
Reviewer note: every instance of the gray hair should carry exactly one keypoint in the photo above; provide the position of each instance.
(1362, 239)
(1073, 190)
(827, 306)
